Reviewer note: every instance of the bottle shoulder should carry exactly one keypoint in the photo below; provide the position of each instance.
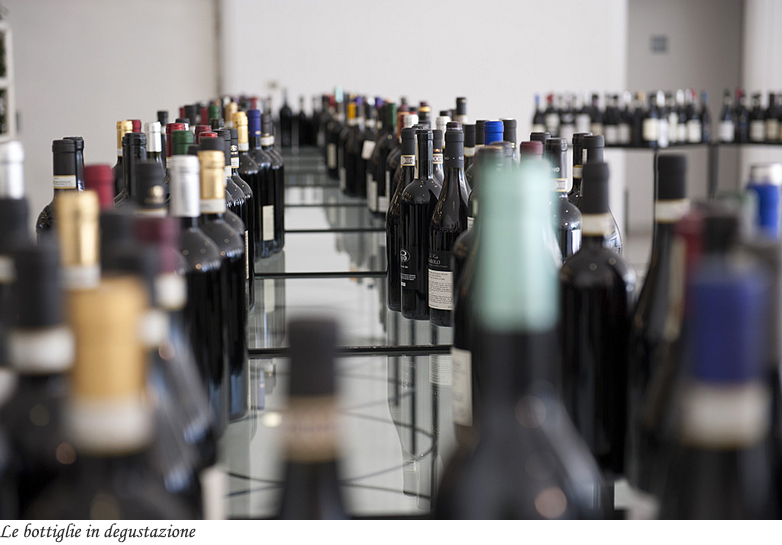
(227, 239)
(596, 265)
(421, 191)
(200, 252)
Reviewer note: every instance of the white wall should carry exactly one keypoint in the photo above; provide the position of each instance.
(82, 65)
(704, 53)
(762, 65)
(498, 54)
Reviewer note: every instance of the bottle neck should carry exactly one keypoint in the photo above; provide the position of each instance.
(267, 141)
(188, 223)
(425, 161)
(595, 229)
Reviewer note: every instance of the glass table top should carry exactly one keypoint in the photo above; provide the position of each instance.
(393, 373)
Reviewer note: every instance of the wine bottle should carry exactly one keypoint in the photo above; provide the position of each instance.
(438, 171)
(574, 195)
(191, 114)
(365, 147)
(648, 340)
(278, 175)
(355, 176)
(263, 186)
(449, 220)
(64, 180)
(705, 116)
(376, 171)
(461, 111)
(11, 170)
(757, 121)
(726, 119)
(467, 379)
(611, 124)
(538, 119)
(663, 127)
(597, 297)
(593, 146)
(626, 120)
(509, 135)
(682, 100)
(123, 127)
(517, 327)
(566, 217)
(207, 332)
(311, 489)
(41, 351)
(392, 167)
(417, 207)
(469, 147)
(651, 124)
(741, 115)
(248, 171)
(289, 126)
(234, 277)
(567, 118)
(550, 117)
(349, 127)
(722, 466)
(305, 125)
(394, 220)
(772, 118)
(107, 418)
(765, 181)
(134, 149)
(333, 129)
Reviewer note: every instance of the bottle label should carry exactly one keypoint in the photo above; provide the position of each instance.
(772, 130)
(727, 132)
(212, 206)
(268, 222)
(267, 141)
(343, 177)
(612, 134)
(407, 161)
(597, 129)
(470, 222)
(7, 270)
(64, 182)
(269, 299)
(469, 152)
(583, 121)
(382, 204)
(577, 171)
(235, 162)
(214, 490)
(681, 132)
(440, 281)
(461, 365)
(244, 146)
(310, 429)
(596, 224)
(437, 158)
(651, 128)
(693, 131)
(757, 131)
(408, 264)
(367, 149)
(440, 369)
(624, 133)
(670, 211)
(552, 123)
(371, 193)
(560, 184)
(331, 156)
(246, 256)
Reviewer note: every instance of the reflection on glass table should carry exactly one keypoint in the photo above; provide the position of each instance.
(358, 304)
(331, 217)
(396, 436)
(327, 252)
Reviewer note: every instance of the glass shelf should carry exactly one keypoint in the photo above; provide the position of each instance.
(396, 435)
(331, 218)
(327, 251)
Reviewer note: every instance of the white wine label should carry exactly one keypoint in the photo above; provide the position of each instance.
(80, 277)
(440, 281)
(597, 129)
(382, 204)
(440, 369)
(7, 270)
(269, 299)
(406, 161)
(664, 134)
(331, 156)
(730, 417)
(244, 146)
(681, 132)
(583, 121)
(343, 178)
(470, 222)
(65, 182)
(651, 128)
(670, 211)
(461, 362)
(119, 152)
(46, 350)
(561, 185)
(469, 152)
(577, 171)
(267, 141)
(214, 491)
(268, 222)
(171, 291)
(694, 131)
(612, 134)
(367, 149)
(757, 131)
(727, 132)
(437, 159)
(212, 206)
(372, 195)
(234, 162)
(624, 133)
(310, 429)
(596, 224)
(772, 130)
